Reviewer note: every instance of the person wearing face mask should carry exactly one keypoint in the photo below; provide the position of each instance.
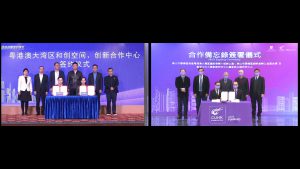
(257, 92)
(216, 92)
(243, 84)
(182, 84)
(238, 92)
(200, 88)
(226, 83)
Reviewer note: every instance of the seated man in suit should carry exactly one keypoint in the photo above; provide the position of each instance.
(238, 92)
(226, 83)
(216, 92)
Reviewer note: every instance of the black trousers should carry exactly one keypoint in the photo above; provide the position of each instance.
(256, 98)
(183, 100)
(200, 96)
(40, 96)
(98, 95)
(111, 98)
(24, 107)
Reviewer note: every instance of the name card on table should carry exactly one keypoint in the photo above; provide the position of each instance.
(216, 100)
(60, 91)
(87, 90)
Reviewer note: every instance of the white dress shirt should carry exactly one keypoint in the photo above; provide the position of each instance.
(56, 77)
(41, 78)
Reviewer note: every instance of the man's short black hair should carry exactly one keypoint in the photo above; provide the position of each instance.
(56, 63)
(74, 63)
(95, 65)
(256, 69)
(110, 68)
(42, 67)
(60, 77)
(217, 82)
(182, 69)
(201, 68)
(25, 69)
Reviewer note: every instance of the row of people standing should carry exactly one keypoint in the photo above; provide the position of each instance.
(201, 90)
(75, 78)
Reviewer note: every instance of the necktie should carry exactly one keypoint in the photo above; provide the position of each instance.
(95, 80)
(25, 79)
(200, 85)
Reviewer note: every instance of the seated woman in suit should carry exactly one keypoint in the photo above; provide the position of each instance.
(24, 90)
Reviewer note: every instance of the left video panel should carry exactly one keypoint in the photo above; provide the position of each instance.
(104, 84)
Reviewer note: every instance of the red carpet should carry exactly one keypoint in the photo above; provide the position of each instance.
(120, 119)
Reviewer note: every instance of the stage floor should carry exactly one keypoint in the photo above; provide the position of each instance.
(132, 119)
(268, 119)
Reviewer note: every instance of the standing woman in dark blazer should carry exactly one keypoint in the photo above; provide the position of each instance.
(24, 90)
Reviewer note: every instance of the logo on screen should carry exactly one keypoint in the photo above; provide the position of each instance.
(217, 114)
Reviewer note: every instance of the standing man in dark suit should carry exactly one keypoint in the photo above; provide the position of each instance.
(74, 79)
(216, 93)
(95, 78)
(238, 92)
(111, 84)
(200, 88)
(243, 84)
(182, 84)
(226, 83)
(54, 74)
(40, 89)
(257, 92)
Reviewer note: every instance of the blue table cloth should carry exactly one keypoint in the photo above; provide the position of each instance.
(71, 107)
(225, 114)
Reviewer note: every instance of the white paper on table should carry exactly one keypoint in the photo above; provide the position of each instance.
(91, 90)
(224, 96)
(231, 96)
(63, 89)
(216, 100)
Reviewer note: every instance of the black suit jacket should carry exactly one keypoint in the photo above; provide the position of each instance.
(205, 85)
(41, 87)
(227, 86)
(111, 82)
(213, 94)
(240, 95)
(243, 84)
(99, 81)
(259, 88)
(52, 77)
(76, 84)
(182, 84)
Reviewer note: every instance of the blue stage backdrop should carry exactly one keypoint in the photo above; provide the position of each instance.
(127, 60)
